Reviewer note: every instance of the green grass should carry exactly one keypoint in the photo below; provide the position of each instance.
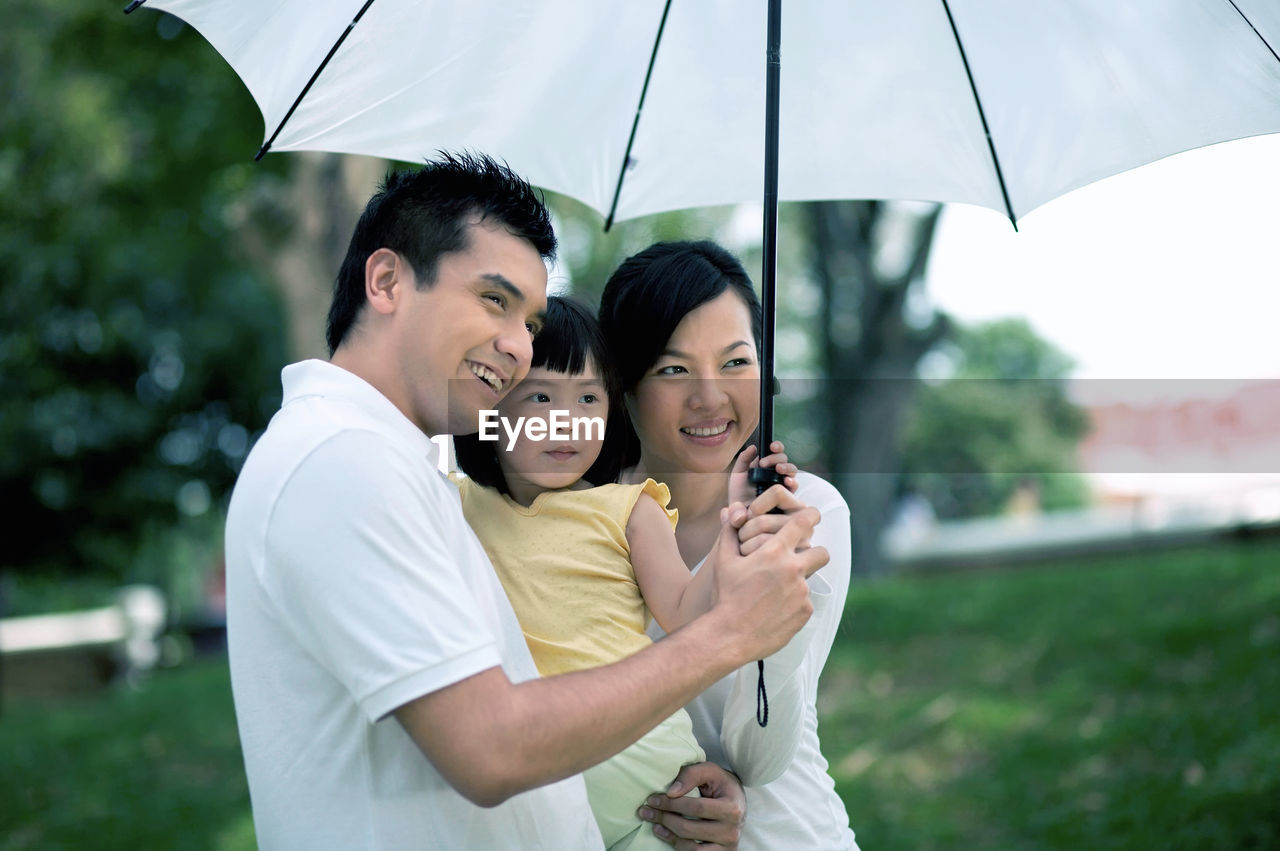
(1110, 703)
(1120, 703)
(156, 768)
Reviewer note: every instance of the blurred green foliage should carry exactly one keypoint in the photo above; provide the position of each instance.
(588, 254)
(1000, 422)
(138, 353)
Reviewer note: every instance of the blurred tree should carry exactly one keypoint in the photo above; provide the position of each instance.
(867, 259)
(139, 353)
(1001, 424)
(296, 227)
(588, 255)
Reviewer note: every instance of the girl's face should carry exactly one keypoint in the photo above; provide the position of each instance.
(561, 457)
(699, 402)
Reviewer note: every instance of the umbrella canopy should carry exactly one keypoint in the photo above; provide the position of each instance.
(999, 103)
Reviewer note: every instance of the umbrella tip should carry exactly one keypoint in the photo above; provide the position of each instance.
(135, 4)
(262, 152)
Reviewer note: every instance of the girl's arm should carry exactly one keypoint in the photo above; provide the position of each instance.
(674, 596)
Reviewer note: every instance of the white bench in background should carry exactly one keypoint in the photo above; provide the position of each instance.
(79, 652)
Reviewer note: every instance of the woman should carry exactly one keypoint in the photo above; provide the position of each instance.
(684, 324)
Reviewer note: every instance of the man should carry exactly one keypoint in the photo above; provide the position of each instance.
(363, 615)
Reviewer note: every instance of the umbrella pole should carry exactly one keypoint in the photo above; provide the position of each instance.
(762, 478)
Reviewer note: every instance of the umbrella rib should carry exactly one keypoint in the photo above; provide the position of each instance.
(982, 115)
(635, 122)
(1245, 18)
(324, 63)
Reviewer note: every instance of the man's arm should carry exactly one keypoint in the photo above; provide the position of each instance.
(491, 739)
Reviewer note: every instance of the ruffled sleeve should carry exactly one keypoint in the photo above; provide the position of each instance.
(661, 494)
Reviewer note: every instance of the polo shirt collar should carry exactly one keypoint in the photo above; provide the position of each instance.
(321, 378)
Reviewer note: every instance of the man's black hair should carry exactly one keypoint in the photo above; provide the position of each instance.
(570, 339)
(424, 214)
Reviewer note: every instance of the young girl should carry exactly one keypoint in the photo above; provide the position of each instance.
(582, 558)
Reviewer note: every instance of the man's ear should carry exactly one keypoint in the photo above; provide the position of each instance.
(383, 280)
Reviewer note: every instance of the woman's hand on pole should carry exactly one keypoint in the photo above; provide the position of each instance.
(741, 490)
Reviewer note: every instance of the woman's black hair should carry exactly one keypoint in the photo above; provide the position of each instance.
(648, 296)
(570, 339)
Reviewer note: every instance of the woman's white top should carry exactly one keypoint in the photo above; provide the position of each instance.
(791, 799)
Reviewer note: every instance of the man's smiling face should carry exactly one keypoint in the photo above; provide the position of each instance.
(465, 340)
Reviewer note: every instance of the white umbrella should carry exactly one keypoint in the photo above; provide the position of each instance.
(879, 99)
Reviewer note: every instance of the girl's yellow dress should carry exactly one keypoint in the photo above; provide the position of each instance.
(566, 567)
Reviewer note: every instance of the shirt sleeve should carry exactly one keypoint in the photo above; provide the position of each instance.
(363, 570)
(659, 493)
(758, 754)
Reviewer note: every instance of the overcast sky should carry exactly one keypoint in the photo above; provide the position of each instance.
(1168, 271)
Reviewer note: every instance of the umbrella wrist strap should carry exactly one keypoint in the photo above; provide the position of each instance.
(762, 697)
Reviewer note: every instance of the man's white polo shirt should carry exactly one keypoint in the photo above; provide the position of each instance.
(354, 585)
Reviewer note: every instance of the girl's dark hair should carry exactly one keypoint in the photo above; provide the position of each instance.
(569, 340)
(648, 295)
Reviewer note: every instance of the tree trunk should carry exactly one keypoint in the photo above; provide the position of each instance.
(870, 351)
(298, 230)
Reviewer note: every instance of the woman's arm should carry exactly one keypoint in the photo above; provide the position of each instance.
(759, 755)
(674, 596)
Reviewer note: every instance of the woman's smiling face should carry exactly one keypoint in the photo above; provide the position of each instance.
(699, 402)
